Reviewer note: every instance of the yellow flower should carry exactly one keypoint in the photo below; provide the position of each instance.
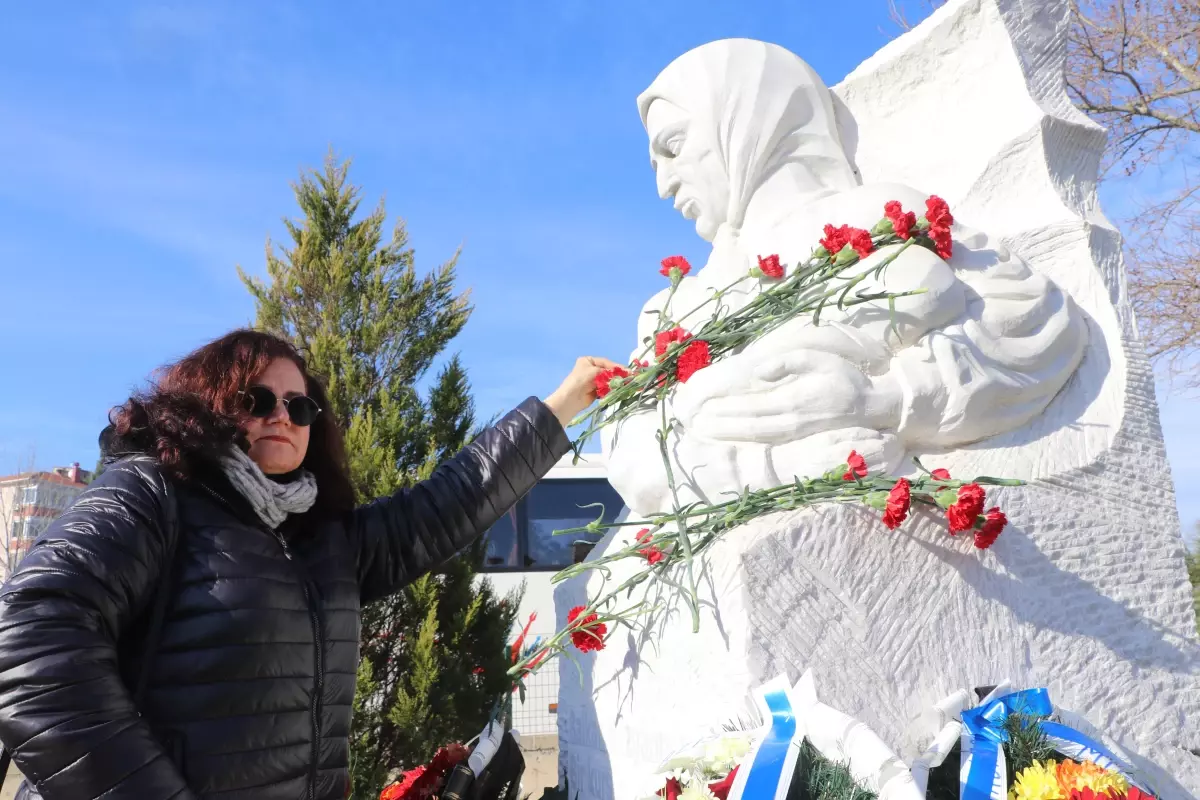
(1037, 782)
(1089, 775)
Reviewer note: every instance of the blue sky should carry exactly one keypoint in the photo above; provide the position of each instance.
(148, 149)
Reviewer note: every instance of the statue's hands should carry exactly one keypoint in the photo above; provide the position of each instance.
(783, 397)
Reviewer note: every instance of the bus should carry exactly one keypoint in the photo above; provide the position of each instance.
(521, 549)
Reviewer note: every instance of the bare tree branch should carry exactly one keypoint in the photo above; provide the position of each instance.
(1134, 67)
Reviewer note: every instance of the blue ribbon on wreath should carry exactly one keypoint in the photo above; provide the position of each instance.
(983, 775)
(767, 771)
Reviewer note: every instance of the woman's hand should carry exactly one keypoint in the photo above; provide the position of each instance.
(578, 389)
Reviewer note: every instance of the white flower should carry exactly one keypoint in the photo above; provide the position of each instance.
(681, 764)
(681, 775)
(727, 752)
(696, 790)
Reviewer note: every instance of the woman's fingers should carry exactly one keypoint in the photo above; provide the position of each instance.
(601, 362)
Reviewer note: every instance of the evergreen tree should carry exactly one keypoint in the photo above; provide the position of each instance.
(433, 657)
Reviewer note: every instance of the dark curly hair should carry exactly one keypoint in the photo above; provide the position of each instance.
(190, 415)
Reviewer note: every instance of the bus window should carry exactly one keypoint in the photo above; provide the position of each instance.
(555, 505)
(502, 543)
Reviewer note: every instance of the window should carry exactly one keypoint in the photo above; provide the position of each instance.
(556, 505)
(29, 495)
(502, 550)
(524, 539)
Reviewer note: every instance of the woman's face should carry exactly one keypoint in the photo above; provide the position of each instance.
(689, 168)
(276, 444)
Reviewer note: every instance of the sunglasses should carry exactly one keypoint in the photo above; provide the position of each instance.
(259, 401)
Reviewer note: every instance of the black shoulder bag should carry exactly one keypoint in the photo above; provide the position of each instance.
(137, 674)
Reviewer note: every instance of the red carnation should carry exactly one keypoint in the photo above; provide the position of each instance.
(665, 339)
(962, 514)
(940, 474)
(898, 501)
(588, 633)
(653, 553)
(860, 240)
(992, 526)
(857, 465)
(694, 358)
(837, 238)
(721, 788)
(937, 212)
(943, 245)
(605, 378)
(902, 221)
(770, 266)
(675, 262)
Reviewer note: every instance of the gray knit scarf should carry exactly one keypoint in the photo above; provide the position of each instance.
(271, 501)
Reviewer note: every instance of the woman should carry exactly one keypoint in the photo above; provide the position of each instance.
(229, 477)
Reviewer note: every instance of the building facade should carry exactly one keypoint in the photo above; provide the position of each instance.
(29, 501)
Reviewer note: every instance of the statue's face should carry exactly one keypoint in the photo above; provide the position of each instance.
(687, 162)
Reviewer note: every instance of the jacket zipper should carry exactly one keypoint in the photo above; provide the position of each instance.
(315, 621)
(319, 678)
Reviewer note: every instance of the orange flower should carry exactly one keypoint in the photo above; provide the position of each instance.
(1075, 776)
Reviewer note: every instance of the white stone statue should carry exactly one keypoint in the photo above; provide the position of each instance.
(1022, 360)
(743, 138)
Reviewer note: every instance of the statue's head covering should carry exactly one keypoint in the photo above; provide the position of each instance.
(766, 108)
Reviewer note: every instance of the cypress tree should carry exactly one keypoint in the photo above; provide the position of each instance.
(433, 656)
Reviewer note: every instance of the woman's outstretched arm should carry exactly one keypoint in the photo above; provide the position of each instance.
(400, 538)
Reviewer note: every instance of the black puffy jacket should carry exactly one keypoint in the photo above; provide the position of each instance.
(249, 693)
